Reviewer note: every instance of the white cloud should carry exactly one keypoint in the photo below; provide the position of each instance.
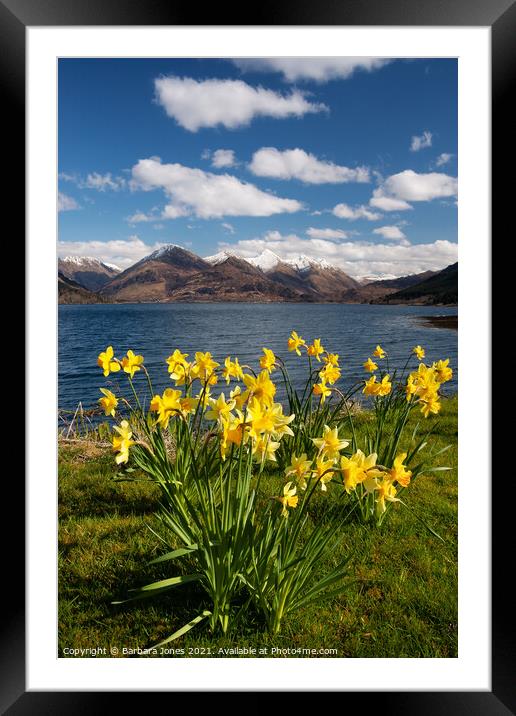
(344, 211)
(103, 182)
(206, 195)
(326, 233)
(66, 203)
(422, 142)
(443, 159)
(355, 258)
(319, 69)
(387, 203)
(298, 164)
(222, 158)
(231, 103)
(229, 227)
(123, 253)
(392, 233)
(410, 186)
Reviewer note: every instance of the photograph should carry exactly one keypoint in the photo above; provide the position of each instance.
(257, 288)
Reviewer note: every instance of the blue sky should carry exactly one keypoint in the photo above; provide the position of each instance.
(349, 159)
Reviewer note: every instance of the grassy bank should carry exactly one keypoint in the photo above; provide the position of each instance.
(400, 600)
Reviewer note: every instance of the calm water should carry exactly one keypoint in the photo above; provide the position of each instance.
(154, 330)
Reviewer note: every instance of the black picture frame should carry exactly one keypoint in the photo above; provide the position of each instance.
(500, 16)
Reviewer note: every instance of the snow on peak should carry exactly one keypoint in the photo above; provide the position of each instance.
(163, 251)
(266, 261)
(220, 257)
(86, 261)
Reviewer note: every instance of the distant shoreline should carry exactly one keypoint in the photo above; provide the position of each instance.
(451, 322)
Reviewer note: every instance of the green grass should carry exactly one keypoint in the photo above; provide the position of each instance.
(400, 599)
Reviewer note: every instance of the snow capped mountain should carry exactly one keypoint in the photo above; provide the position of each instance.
(265, 261)
(220, 257)
(163, 251)
(88, 262)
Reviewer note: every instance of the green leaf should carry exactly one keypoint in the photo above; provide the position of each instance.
(184, 629)
(158, 587)
(175, 553)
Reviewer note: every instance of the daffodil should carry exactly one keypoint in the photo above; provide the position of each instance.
(233, 432)
(379, 352)
(399, 473)
(261, 388)
(385, 492)
(331, 359)
(122, 442)
(232, 369)
(264, 448)
(108, 402)
(281, 422)
(295, 342)
(330, 444)
(442, 371)
(239, 397)
(299, 467)
(219, 408)
(323, 471)
(268, 360)
(178, 366)
(205, 367)
(330, 373)
(385, 386)
(420, 352)
(106, 362)
(432, 405)
(260, 418)
(131, 363)
(322, 390)
(357, 469)
(188, 405)
(167, 406)
(370, 365)
(288, 498)
(315, 349)
(371, 386)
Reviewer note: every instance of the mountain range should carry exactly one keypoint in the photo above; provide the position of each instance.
(173, 273)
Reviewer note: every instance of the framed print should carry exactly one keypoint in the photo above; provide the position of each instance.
(266, 410)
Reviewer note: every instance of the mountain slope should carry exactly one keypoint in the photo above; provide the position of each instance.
(156, 276)
(70, 291)
(440, 288)
(86, 271)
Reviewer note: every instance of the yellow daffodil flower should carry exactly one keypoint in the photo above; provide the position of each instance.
(300, 468)
(330, 444)
(232, 369)
(357, 469)
(371, 386)
(316, 349)
(167, 406)
(432, 405)
(385, 386)
(281, 422)
(379, 352)
(219, 408)
(295, 342)
(321, 471)
(420, 352)
(322, 390)
(330, 373)
(370, 366)
(106, 362)
(264, 449)
(123, 442)
(260, 418)
(188, 405)
(205, 367)
(442, 371)
(131, 363)
(239, 397)
(331, 359)
(178, 365)
(386, 492)
(109, 402)
(288, 499)
(261, 388)
(268, 360)
(399, 473)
